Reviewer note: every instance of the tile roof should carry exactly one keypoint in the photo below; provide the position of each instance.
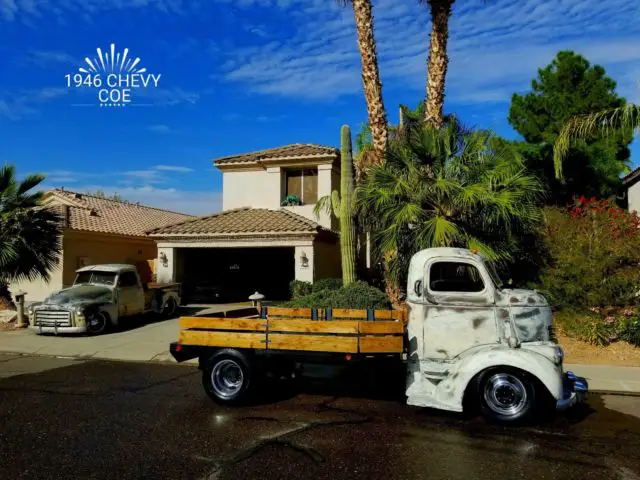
(242, 221)
(297, 150)
(94, 214)
(632, 178)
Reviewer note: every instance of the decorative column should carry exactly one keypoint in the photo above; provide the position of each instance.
(304, 263)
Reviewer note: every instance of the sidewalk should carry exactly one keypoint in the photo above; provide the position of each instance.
(606, 378)
(146, 343)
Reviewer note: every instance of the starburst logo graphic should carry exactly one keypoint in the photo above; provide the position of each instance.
(114, 75)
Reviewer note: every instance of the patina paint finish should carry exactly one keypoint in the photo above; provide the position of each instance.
(80, 294)
(455, 335)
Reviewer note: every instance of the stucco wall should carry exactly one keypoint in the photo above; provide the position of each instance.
(634, 197)
(327, 260)
(99, 249)
(254, 188)
(266, 189)
(38, 290)
(95, 249)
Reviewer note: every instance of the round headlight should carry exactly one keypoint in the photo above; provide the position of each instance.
(79, 310)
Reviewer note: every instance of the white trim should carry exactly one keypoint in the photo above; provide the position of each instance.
(231, 235)
(262, 243)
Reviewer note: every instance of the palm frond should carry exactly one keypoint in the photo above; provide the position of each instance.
(602, 123)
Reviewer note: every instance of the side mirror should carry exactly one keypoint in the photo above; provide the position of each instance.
(417, 288)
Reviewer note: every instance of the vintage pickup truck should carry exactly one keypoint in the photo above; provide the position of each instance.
(102, 296)
(466, 342)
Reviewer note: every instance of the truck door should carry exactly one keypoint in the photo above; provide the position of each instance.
(460, 312)
(130, 295)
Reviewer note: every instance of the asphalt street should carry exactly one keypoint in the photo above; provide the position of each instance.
(65, 418)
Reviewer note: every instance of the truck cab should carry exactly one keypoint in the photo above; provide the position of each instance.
(468, 337)
(100, 297)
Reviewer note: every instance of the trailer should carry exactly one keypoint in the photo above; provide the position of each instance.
(464, 340)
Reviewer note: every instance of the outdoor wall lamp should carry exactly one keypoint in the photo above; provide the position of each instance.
(304, 260)
(163, 259)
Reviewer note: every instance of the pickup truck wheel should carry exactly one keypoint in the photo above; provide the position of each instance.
(506, 395)
(226, 377)
(97, 323)
(169, 308)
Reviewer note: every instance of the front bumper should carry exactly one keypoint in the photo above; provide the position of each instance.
(49, 329)
(575, 390)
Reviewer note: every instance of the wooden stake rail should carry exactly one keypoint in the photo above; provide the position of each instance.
(301, 329)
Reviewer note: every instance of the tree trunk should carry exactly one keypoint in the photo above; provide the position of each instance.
(438, 61)
(362, 10)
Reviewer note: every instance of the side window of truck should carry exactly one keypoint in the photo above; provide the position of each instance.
(127, 279)
(454, 277)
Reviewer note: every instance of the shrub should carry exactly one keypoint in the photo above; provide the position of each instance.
(358, 295)
(631, 331)
(326, 284)
(594, 250)
(298, 288)
(587, 326)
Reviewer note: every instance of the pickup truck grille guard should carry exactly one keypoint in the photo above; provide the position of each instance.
(52, 318)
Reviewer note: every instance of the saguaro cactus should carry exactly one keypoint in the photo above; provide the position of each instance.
(347, 227)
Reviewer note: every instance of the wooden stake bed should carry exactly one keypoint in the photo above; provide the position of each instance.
(301, 329)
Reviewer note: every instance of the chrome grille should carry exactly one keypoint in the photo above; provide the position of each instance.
(52, 318)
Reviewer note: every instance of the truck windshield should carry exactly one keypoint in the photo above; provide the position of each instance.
(494, 275)
(99, 278)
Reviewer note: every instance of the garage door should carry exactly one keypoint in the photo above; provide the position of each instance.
(213, 275)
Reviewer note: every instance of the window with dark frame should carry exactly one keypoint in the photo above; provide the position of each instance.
(127, 279)
(304, 184)
(455, 277)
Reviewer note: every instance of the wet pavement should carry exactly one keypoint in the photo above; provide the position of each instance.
(63, 418)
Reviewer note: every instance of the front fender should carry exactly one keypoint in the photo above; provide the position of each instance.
(470, 365)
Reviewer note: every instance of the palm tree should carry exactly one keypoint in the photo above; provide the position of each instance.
(581, 127)
(447, 187)
(438, 60)
(372, 85)
(29, 233)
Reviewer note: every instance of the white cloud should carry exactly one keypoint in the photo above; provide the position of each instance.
(22, 104)
(173, 168)
(48, 57)
(495, 47)
(159, 128)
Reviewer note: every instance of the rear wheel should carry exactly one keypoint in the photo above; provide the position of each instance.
(169, 308)
(506, 395)
(226, 377)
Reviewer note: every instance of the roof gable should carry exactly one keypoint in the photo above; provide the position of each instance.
(94, 214)
(242, 222)
(296, 151)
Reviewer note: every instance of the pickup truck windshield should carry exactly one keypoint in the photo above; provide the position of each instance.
(96, 278)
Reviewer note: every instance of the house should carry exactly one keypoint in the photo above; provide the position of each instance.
(97, 230)
(632, 184)
(255, 244)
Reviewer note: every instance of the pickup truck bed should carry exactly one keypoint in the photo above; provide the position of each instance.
(335, 330)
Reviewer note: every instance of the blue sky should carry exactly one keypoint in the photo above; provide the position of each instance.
(242, 75)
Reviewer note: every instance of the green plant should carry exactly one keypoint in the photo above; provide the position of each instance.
(330, 284)
(357, 295)
(342, 206)
(291, 201)
(631, 331)
(448, 187)
(570, 86)
(298, 288)
(593, 249)
(29, 234)
(585, 325)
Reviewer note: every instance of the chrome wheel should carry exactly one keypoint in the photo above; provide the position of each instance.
(505, 394)
(227, 378)
(96, 323)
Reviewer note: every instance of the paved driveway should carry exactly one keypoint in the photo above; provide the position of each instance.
(143, 339)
